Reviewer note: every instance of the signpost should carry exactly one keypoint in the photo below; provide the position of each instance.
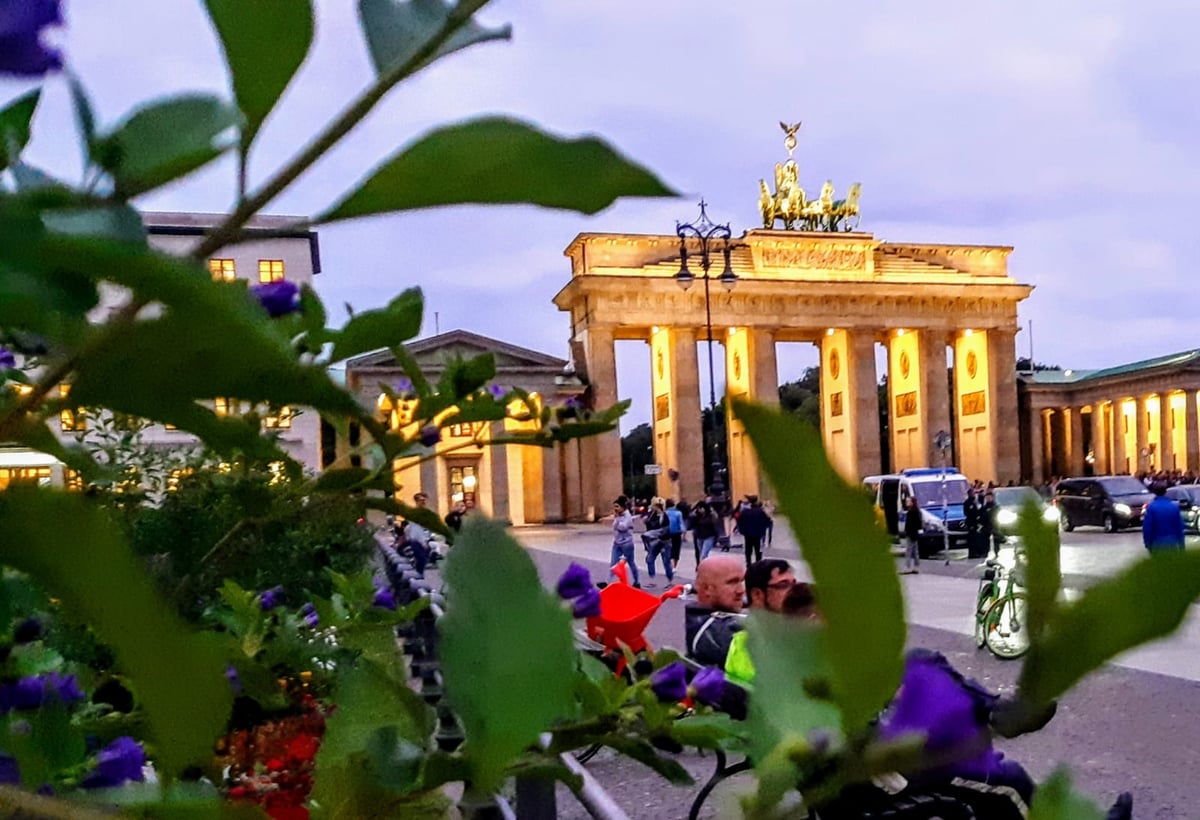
(941, 441)
(653, 469)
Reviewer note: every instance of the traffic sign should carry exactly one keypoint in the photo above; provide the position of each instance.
(653, 469)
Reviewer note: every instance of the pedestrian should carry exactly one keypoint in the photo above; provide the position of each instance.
(656, 541)
(416, 537)
(1162, 523)
(912, 536)
(623, 538)
(992, 537)
(972, 511)
(752, 524)
(705, 529)
(676, 524)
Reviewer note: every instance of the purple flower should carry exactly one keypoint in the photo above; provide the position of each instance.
(27, 693)
(10, 773)
(574, 582)
(21, 49)
(117, 762)
(587, 605)
(270, 599)
(670, 682)
(279, 298)
(497, 391)
(65, 686)
(952, 713)
(404, 385)
(430, 435)
(309, 612)
(235, 682)
(8, 359)
(384, 598)
(708, 685)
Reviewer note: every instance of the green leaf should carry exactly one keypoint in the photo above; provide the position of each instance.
(397, 29)
(15, 120)
(344, 479)
(641, 751)
(1056, 800)
(82, 560)
(85, 118)
(1043, 573)
(706, 731)
(166, 140)
(1146, 601)
(495, 160)
(120, 222)
(375, 329)
(530, 677)
(793, 658)
(847, 553)
(260, 75)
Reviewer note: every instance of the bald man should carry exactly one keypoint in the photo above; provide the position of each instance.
(711, 622)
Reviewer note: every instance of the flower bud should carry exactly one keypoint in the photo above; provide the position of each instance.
(670, 682)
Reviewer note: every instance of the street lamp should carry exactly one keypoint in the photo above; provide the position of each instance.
(707, 234)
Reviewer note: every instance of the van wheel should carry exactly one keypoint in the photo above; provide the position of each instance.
(1065, 522)
(1110, 523)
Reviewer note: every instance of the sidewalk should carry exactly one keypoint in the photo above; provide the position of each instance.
(940, 597)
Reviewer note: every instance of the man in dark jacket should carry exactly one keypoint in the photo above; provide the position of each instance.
(752, 523)
(1162, 523)
(711, 622)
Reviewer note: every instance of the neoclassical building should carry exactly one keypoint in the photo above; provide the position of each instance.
(518, 483)
(929, 305)
(1127, 419)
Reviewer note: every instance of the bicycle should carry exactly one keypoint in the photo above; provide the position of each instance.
(1000, 612)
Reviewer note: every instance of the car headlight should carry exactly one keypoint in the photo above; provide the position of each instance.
(1122, 509)
(930, 524)
(1006, 518)
(1051, 515)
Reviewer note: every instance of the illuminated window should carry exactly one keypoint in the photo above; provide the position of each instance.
(24, 475)
(463, 482)
(278, 472)
(175, 477)
(72, 479)
(222, 270)
(73, 421)
(280, 420)
(270, 270)
(125, 422)
(225, 407)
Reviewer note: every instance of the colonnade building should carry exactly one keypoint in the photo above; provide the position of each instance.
(1134, 418)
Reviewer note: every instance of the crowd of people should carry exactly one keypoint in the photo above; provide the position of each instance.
(665, 524)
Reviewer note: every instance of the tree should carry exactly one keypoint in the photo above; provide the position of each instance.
(802, 398)
(1027, 365)
(637, 450)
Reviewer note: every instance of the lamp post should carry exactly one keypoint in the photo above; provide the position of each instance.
(710, 237)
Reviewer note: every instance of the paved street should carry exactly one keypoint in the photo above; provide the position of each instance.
(1128, 726)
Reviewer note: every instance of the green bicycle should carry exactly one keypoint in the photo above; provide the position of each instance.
(1000, 611)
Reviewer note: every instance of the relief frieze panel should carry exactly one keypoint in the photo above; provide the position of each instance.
(816, 256)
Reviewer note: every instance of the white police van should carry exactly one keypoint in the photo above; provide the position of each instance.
(940, 495)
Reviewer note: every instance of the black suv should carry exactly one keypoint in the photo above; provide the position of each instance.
(1113, 502)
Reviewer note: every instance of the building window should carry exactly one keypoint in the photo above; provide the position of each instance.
(463, 482)
(126, 423)
(74, 420)
(270, 270)
(222, 270)
(225, 406)
(72, 479)
(36, 476)
(278, 420)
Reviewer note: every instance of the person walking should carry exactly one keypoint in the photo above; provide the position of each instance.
(657, 542)
(1162, 523)
(623, 538)
(992, 537)
(912, 535)
(752, 524)
(705, 529)
(676, 524)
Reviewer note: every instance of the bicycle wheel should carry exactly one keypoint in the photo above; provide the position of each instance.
(1006, 628)
(985, 603)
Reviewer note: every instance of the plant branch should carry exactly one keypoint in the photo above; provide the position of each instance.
(332, 134)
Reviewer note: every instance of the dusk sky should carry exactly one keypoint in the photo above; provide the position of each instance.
(1065, 129)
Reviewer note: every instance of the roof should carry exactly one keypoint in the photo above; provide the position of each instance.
(268, 226)
(461, 342)
(1181, 359)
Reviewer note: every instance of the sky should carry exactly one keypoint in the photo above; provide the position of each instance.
(1067, 130)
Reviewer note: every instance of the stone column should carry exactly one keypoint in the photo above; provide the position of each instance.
(1075, 454)
(1099, 447)
(863, 401)
(602, 454)
(1037, 446)
(1193, 431)
(1142, 420)
(499, 483)
(685, 404)
(1002, 393)
(1119, 450)
(764, 384)
(1166, 431)
(935, 392)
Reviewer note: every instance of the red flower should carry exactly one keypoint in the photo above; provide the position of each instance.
(287, 812)
(274, 765)
(303, 748)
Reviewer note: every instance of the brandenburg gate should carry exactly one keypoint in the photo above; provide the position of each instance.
(840, 289)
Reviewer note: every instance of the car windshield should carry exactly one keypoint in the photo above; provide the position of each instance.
(1015, 496)
(929, 493)
(1123, 485)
